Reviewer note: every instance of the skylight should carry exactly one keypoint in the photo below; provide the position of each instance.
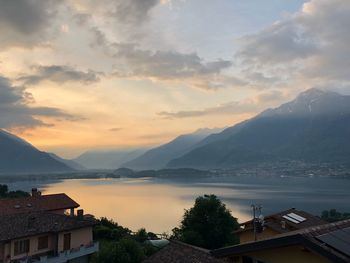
(294, 218)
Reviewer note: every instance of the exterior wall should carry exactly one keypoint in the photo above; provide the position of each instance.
(248, 236)
(60, 212)
(79, 237)
(290, 254)
(33, 247)
(84, 259)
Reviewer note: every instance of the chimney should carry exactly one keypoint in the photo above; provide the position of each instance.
(283, 224)
(35, 192)
(80, 214)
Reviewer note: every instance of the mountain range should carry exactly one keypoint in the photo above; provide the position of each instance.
(315, 127)
(312, 128)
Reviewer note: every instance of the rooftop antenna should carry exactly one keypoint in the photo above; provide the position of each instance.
(258, 219)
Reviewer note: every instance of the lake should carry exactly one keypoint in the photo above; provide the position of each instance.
(158, 204)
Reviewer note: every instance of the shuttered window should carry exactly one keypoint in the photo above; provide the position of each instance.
(21, 247)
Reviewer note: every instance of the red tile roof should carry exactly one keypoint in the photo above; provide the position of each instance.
(50, 202)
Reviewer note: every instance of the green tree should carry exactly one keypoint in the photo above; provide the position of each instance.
(107, 229)
(141, 235)
(207, 224)
(3, 190)
(333, 215)
(126, 250)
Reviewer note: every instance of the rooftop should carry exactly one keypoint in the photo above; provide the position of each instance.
(36, 203)
(178, 252)
(293, 220)
(329, 240)
(26, 224)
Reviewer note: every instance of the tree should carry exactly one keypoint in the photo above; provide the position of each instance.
(333, 215)
(207, 224)
(4, 192)
(141, 235)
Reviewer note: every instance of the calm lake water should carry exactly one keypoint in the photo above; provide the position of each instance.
(158, 205)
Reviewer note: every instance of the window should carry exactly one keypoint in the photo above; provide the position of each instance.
(66, 241)
(21, 247)
(43, 242)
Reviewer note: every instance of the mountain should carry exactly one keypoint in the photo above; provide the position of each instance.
(107, 159)
(158, 157)
(314, 127)
(70, 163)
(18, 156)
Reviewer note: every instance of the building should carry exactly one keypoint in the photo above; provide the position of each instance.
(327, 243)
(278, 223)
(38, 229)
(291, 236)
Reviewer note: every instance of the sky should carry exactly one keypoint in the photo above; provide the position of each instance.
(78, 75)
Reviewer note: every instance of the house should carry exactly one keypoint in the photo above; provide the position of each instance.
(37, 229)
(55, 203)
(278, 223)
(326, 243)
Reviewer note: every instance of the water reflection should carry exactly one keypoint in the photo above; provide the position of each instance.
(158, 205)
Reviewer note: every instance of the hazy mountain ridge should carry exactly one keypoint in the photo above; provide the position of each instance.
(107, 159)
(158, 157)
(18, 156)
(314, 127)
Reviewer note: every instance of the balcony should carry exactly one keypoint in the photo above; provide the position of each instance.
(66, 255)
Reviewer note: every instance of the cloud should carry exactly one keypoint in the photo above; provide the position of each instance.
(310, 46)
(59, 74)
(16, 111)
(230, 108)
(116, 129)
(26, 23)
(134, 62)
(250, 105)
(133, 12)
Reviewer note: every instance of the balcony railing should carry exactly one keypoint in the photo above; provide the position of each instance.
(64, 256)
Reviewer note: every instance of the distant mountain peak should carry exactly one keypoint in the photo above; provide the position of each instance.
(313, 101)
(314, 93)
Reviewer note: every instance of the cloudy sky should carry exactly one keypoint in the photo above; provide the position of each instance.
(108, 74)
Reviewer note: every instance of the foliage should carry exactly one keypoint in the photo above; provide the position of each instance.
(333, 215)
(109, 230)
(208, 224)
(5, 193)
(119, 245)
(141, 235)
